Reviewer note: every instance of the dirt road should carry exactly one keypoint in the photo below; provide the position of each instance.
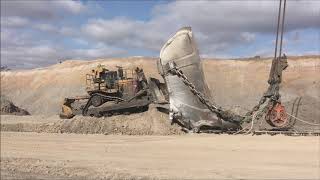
(47, 156)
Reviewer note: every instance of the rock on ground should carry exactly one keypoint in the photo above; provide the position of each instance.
(7, 107)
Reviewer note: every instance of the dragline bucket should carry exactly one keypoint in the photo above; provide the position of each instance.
(181, 52)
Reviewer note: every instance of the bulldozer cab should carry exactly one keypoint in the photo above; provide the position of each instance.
(130, 81)
(124, 82)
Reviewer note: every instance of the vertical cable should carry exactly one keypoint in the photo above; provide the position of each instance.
(282, 26)
(276, 49)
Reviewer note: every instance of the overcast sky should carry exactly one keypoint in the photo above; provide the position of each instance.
(39, 33)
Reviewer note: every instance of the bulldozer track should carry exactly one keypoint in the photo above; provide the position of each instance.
(122, 107)
(102, 96)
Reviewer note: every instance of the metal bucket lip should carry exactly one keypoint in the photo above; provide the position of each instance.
(184, 30)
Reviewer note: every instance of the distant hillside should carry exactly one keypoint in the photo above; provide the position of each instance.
(232, 82)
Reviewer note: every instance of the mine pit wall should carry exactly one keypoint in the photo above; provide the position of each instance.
(242, 83)
(41, 91)
(232, 82)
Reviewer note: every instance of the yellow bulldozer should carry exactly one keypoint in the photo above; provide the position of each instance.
(122, 91)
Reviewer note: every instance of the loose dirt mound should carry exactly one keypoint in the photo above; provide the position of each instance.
(7, 107)
(151, 122)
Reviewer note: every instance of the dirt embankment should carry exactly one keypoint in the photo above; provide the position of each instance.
(232, 82)
(235, 84)
(41, 91)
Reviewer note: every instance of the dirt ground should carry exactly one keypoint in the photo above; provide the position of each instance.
(193, 156)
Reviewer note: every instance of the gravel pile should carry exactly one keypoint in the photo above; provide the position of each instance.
(151, 122)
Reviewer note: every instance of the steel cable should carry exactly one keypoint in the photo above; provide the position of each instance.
(306, 122)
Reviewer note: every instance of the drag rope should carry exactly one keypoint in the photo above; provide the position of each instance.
(252, 122)
(251, 126)
(306, 122)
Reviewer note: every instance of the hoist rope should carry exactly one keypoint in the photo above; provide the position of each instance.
(282, 26)
(276, 48)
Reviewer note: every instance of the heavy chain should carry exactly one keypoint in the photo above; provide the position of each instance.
(226, 115)
(259, 110)
(193, 89)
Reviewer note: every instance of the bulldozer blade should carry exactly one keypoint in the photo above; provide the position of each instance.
(66, 109)
(158, 91)
(66, 112)
(185, 107)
